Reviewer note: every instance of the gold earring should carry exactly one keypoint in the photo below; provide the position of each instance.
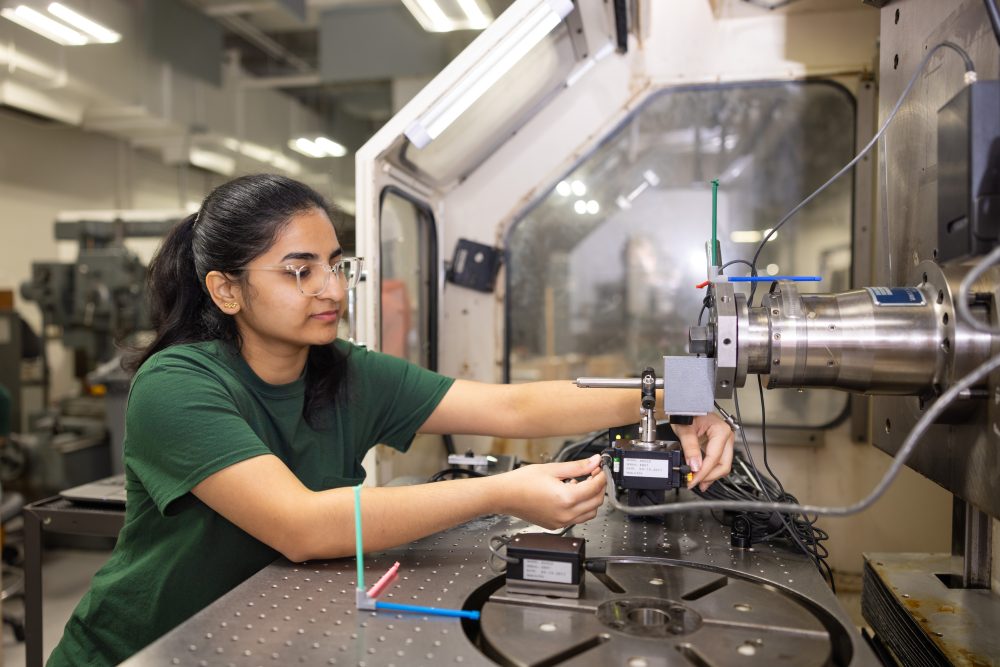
(230, 305)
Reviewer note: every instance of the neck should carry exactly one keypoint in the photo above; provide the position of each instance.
(275, 366)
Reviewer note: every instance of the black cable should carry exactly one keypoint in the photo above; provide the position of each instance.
(788, 520)
(570, 451)
(994, 14)
(450, 473)
(753, 269)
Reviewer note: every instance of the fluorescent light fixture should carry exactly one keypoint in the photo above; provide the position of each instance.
(745, 236)
(307, 147)
(100, 34)
(448, 15)
(623, 203)
(580, 206)
(593, 207)
(751, 236)
(498, 61)
(231, 144)
(772, 269)
(564, 189)
(473, 11)
(651, 177)
(286, 164)
(256, 152)
(330, 147)
(589, 63)
(212, 161)
(578, 187)
(318, 147)
(26, 17)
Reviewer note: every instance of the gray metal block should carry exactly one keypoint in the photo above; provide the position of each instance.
(688, 385)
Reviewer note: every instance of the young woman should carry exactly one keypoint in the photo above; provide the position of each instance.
(247, 422)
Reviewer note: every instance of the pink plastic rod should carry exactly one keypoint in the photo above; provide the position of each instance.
(382, 583)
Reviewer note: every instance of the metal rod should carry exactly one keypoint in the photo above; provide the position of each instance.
(614, 383)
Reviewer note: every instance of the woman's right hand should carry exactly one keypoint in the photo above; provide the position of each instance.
(541, 495)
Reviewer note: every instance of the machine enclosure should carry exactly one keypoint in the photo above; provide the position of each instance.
(969, 172)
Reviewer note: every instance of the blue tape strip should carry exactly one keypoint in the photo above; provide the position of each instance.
(436, 611)
(767, 279)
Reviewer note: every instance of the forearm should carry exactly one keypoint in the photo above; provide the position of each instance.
(390, 515)
(541, 409)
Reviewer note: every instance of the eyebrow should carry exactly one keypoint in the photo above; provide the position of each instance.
(311, 256)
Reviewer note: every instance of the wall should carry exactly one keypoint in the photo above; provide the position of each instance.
(48, 167)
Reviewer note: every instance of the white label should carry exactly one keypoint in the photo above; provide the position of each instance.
(635, 467)
(552, 571)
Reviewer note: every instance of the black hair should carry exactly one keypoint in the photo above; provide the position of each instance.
(238, 221)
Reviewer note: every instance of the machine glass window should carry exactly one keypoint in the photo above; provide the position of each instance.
(407, 235)
(602, 270)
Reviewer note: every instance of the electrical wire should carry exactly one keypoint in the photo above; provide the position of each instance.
(970, 71)
(453, 473)
(753, 269)
(792, 526)
(498, 542)
(571, 450)
(994, 14)
(919, 429)
(962, 301)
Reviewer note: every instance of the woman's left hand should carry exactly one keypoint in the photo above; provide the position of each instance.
(718, 459)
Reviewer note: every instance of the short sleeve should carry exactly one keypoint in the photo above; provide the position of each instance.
(181, 426)
(402, 395)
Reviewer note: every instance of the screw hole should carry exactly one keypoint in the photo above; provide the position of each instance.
(897, 16)
(888, 426)
(944, 318)
(946, 345)
(934, 253)
(727, 341)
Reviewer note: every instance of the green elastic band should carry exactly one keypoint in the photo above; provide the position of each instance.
(715, 226)
(357, 537)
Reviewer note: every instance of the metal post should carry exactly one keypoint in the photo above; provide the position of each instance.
(32, 589)
(978, 559)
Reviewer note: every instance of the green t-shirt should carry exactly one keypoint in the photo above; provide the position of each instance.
(194, 410)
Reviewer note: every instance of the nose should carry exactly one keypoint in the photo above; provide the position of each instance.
(335, 288)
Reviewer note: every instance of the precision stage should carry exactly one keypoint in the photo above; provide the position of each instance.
(675, 593)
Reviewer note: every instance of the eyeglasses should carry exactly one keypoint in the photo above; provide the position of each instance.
(314, 277)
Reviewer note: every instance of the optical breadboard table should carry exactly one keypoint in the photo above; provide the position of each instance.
(674, 593)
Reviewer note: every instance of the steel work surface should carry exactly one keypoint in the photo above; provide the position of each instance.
(675, 594)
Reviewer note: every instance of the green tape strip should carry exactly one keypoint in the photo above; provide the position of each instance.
(715, 221)
(358, 542)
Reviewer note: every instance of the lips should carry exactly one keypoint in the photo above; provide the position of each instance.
(326, 316)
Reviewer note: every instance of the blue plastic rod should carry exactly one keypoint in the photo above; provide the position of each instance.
(767, 279)
(436, 611)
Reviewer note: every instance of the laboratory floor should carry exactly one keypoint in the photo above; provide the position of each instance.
(66, 574)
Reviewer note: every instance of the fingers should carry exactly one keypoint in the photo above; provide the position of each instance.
(582, 501)
(690, 444)
(719, 450)
(576, 468)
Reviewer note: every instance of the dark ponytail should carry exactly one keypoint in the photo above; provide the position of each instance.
(237, 222)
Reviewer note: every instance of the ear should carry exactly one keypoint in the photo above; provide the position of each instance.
(224, 292)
